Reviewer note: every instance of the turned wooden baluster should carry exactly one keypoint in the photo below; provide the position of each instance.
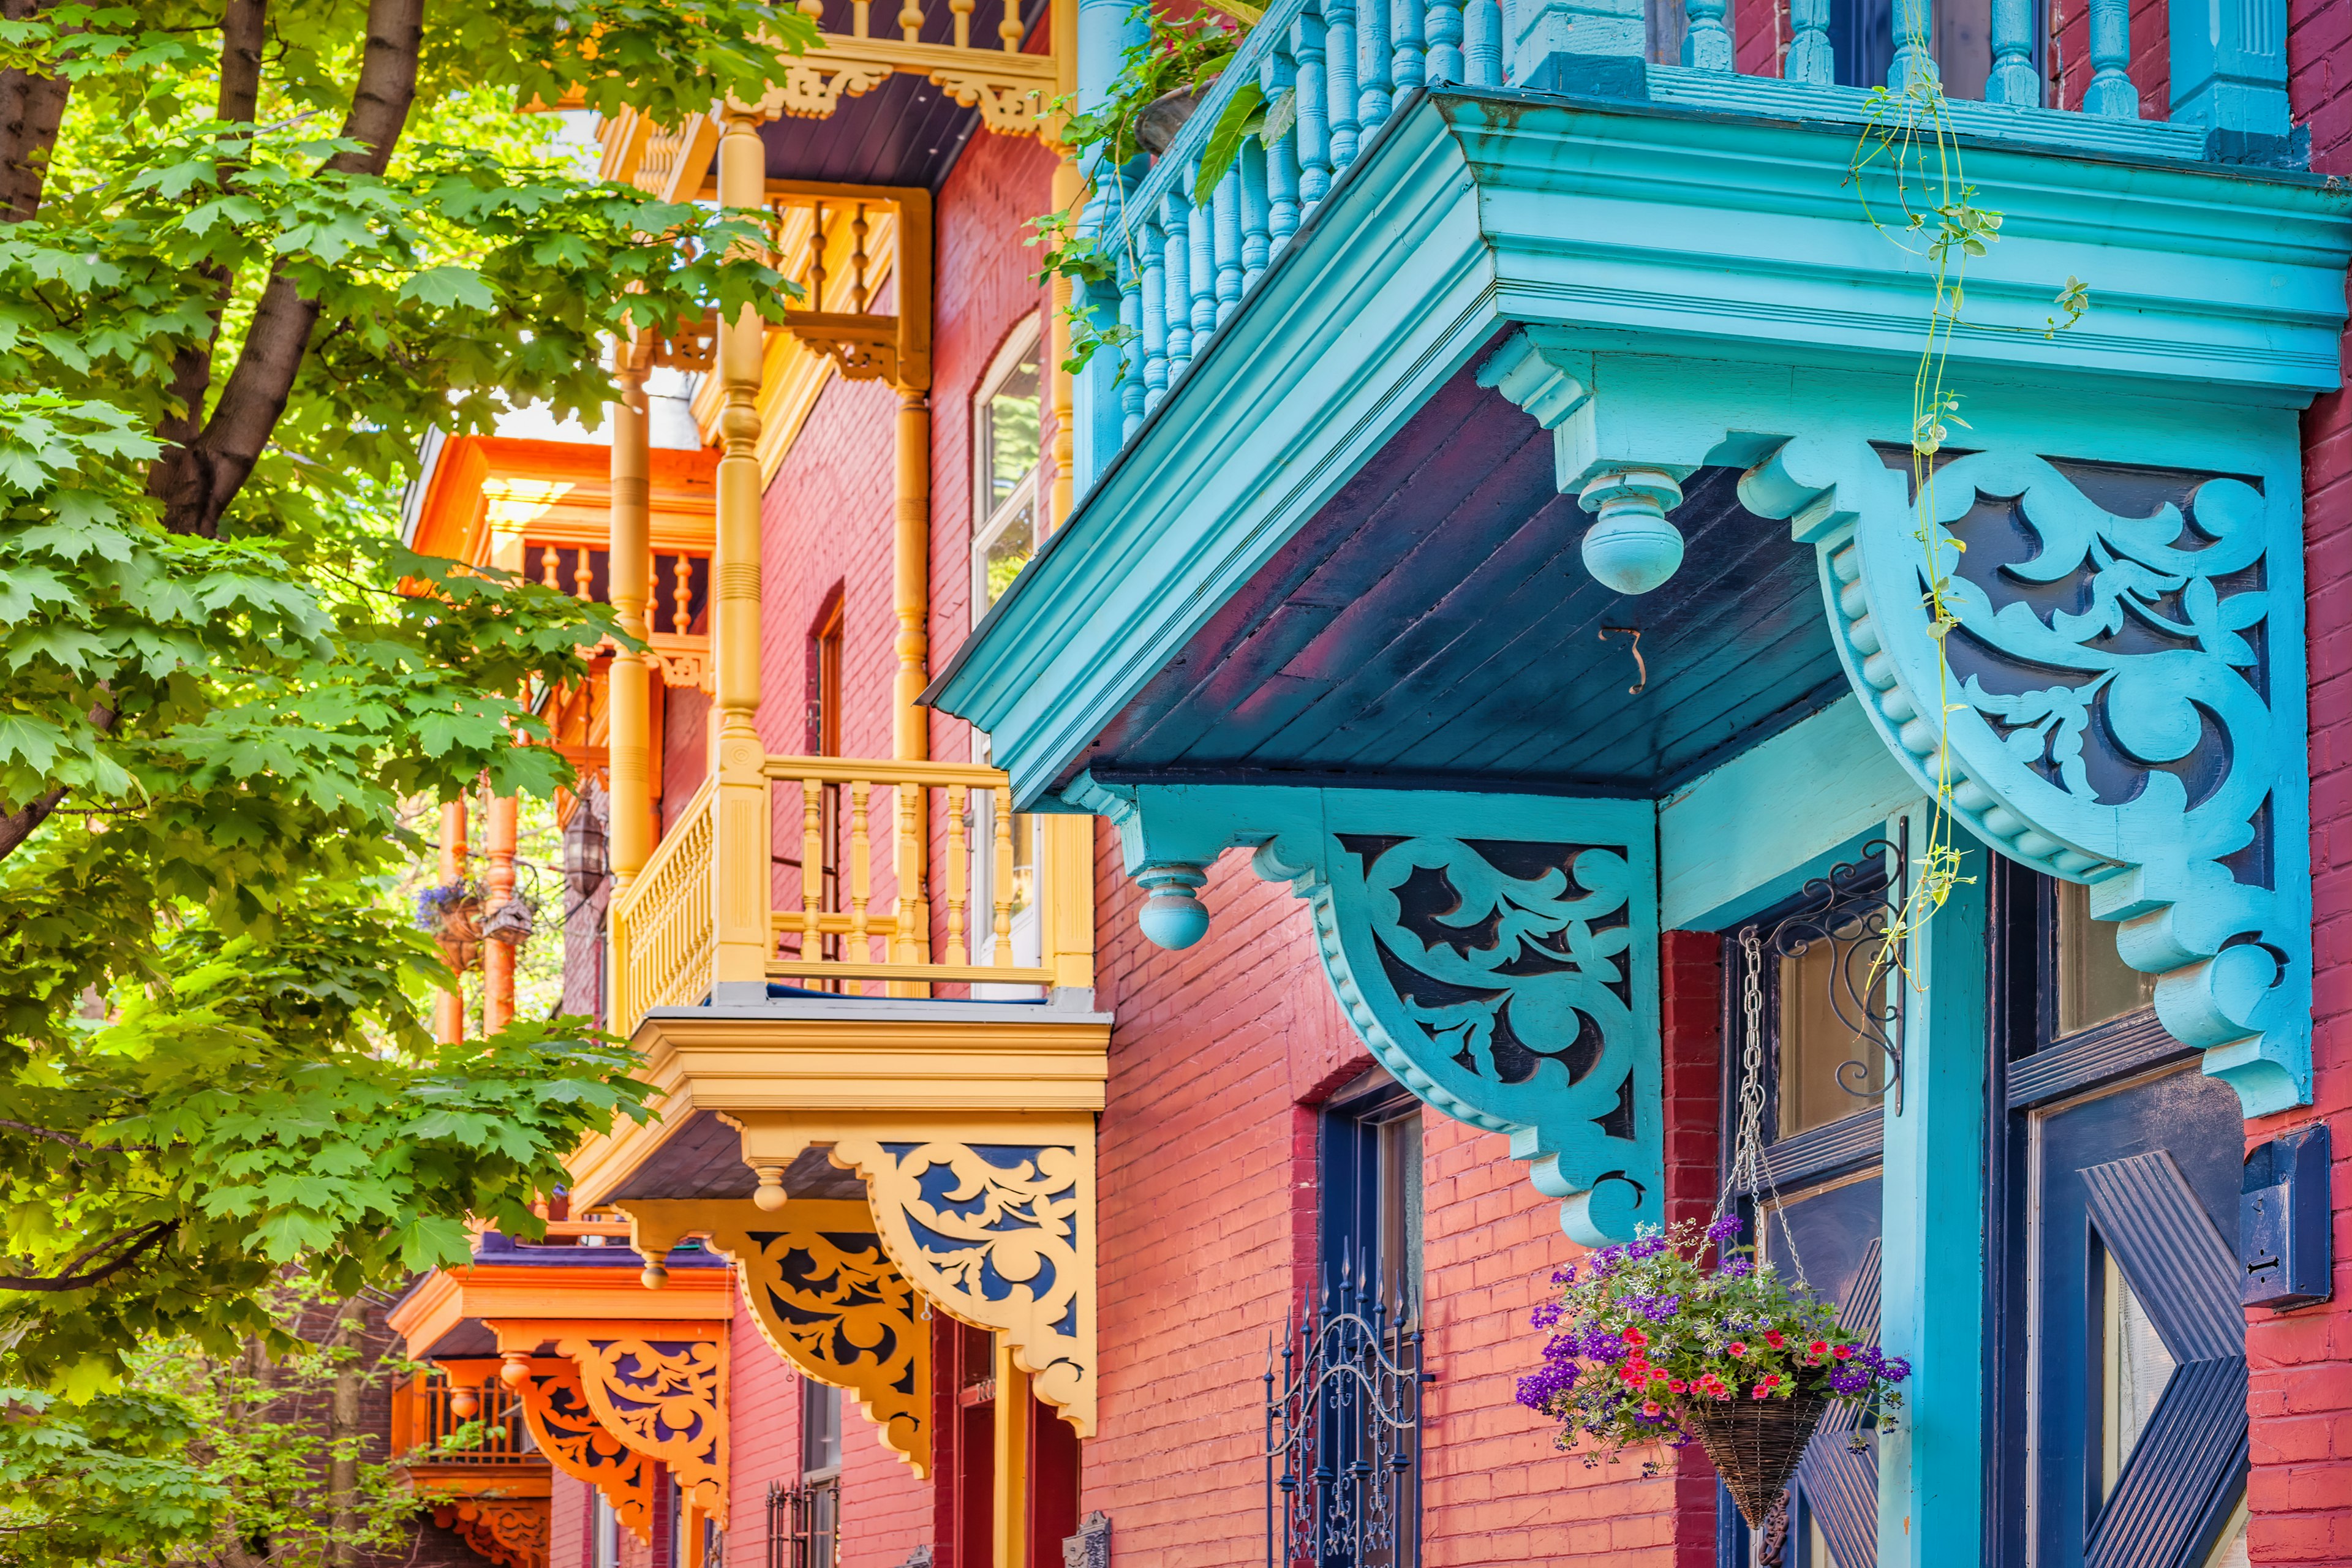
(1258, 247)
(857, 290)
(1225, 236)
(2111, 94)
(909, 798)
(1339, 67)
(1810, 58)
(812, 866)
(816, 257)
(1281, 75)
(1012, 28)
(910, 21)
(1314, 119)
(1154, 302)
(1000, 953)
(1176, 259)
(1200, 224)
(962, 10)
(861, 19)
(1445, 25)
(1130, 370)
(1482, 43)
(861, 878)
(1409, 58)
(681, 616)
(959, 872)
(547, 566)
(583, 574)
(1373, 65)
(2013, 80)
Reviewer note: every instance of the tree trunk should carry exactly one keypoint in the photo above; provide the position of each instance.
(344, 1433)
(30, 109)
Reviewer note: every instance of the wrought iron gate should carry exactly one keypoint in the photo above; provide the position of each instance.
(1343, 1434)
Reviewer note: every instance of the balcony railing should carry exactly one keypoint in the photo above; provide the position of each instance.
(428, 1410)
(661, 922)
(1186, 258)
(950, 903)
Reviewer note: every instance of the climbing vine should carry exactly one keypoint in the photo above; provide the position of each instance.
(1908, 138)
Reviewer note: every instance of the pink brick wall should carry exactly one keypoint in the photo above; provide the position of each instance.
(2301, 1489)
(567, 1523)
(1207, 1217)
(763, 1436)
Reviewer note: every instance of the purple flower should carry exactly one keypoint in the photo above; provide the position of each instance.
(1564, 1276)
(1849, 1379)
(1539, 1388)
(1648, 1247)
(1725, 1229)
(1736, 1267)
(1894, 1369)
(1545, 1316)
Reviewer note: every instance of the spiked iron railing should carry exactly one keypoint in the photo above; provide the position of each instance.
(1343, 1432)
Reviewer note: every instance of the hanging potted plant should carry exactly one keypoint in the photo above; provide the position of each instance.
(453, 915)
(1651, 1346)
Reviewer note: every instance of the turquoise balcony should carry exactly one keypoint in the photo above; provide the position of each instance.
(1540, 500)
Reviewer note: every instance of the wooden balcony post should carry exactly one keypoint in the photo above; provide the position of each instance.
(738, 905)
(449, 1006)
(1011, 1503)
(910, 726)
(498, 889)
(630, 576)
(1069, 195)
(1067, 881)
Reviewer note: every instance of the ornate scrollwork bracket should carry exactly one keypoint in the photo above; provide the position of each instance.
(865, 348)
(1497, 954)
(566, 1427)
(825, 1296)
(508, 1532)
(2122, 706)
(997, 1230)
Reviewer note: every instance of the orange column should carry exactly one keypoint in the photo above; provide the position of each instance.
(449, 1006)
(497, 889)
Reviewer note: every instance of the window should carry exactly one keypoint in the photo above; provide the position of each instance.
(1007, 418)
(825, 679)
(2094, 985)
(816, 1501)
(603, 1532)
(1370, 1185)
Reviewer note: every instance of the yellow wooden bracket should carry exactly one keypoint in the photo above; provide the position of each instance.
(825, 1295)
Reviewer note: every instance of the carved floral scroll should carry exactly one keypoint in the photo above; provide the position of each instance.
(666, 1401)
(508, 1532)
(2112, 701)
(565, 1424)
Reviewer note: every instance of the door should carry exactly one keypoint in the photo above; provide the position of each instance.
(2137, 1343)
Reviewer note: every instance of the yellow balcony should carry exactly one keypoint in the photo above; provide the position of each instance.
(941, 908)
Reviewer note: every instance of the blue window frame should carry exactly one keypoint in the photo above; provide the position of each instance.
(1370, 1185)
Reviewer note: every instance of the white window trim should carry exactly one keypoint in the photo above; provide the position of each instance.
(988, 522)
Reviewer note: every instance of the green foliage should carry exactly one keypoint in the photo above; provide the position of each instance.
(237, 286)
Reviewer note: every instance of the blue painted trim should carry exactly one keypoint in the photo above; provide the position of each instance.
(1745, 837)
(1483, 1031)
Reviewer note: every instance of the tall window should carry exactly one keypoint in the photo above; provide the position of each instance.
(1371, 1184)
(817, 1524)
(1007, 417)
(824, 680)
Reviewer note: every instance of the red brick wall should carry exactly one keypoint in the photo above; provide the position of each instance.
(567, 1523)
(885, 1509)
(685, 748)
(2301, 1400)
(763, 1436)
(1207, 1217)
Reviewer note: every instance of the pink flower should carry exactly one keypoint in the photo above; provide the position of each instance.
(1634, 1337)
(1771, 1379)
(1650, 1407)
(1677, 1386)
(1819, 1347)
(1737, 1347)
(1843, 1351)
(1774, 1338)
(1761, 1393)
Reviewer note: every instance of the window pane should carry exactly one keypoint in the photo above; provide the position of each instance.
(1009, 550)
(2136, 1368)
(1400, 1219)
(2095, 984)
(820, 1428)
(1815, 1042)
(1014, 417)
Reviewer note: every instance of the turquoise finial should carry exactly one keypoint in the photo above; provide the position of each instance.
(1631, 547)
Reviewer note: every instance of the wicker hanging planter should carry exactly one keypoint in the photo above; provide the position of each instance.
(1755, 1443)
(453, 916)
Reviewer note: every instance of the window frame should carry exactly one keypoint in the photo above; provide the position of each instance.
(990, 519)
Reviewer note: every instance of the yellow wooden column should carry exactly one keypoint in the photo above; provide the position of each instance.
(629, 767)
(738, 905)
(910, 733)
(1009, 1504)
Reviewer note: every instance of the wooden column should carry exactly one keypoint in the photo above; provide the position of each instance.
(1069, 195)
(449, 1006)
(1009, 1505)
(498, 889)
(629, 766)
(910, 739)
(740, 829)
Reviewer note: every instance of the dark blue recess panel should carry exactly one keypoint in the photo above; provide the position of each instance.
(904, 132)
(1432, 625)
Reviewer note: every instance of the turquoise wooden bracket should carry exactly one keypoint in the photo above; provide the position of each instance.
(2108, 720)
(1497, 954)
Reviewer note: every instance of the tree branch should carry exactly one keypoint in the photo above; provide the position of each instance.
(17, 826)
(30, 109)
(204, 476)
(143, 1240)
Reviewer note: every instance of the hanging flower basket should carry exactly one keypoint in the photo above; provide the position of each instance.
(512, 922)
(453, 915)
(1651, 1346)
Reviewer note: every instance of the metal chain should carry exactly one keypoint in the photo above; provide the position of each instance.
(1749, 1170)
